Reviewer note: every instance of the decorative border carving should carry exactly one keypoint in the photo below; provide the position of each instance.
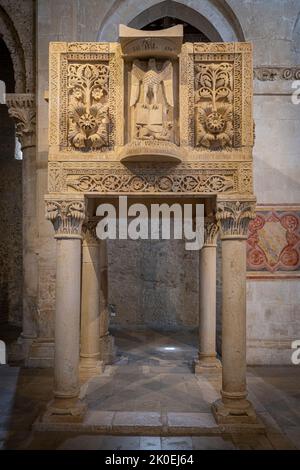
(111, 177)
(267, 74)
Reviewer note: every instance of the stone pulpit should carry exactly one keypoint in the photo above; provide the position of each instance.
(150, 116)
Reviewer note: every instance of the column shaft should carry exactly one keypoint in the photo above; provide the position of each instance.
(234, 318)
(67, 318)
(90, 305)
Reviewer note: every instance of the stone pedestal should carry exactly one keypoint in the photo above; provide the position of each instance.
(207, 357)
(90, 300)
(233, 217)
(67, 217)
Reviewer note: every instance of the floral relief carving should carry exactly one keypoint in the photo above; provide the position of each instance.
(88, 106)
(152, 183)
(213, 105)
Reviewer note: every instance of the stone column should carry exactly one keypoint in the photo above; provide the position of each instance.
(207, 357)
(67, 216)
(22, 109)
(233, 218)
(106, 340)
(90, 299)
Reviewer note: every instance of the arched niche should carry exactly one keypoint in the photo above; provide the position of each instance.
(216, 20)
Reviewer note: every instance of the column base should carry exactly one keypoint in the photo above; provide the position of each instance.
(107, 349)
(91, 365)
(64, 410)
(207, 364)
(237, 412)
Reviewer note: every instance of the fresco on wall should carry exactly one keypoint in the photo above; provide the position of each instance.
(274, 241)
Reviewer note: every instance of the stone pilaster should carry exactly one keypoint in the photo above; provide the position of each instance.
(207, 357)
(67, 216)
(22, 109)
(233, 218)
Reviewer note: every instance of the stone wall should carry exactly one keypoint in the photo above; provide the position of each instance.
(156, 283)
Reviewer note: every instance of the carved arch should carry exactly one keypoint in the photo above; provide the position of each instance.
(215, 19)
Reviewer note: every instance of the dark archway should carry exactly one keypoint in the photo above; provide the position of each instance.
(10, 204)
(190, 32)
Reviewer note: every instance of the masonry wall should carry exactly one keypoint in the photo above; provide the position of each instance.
(156, 284)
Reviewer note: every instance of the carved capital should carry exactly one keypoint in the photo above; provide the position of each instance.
(67, 217)
(22, 108)
(211, 230)
(233, 218)
(89, 231)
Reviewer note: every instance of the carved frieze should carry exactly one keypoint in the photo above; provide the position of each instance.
(266, 74)
(190, 177)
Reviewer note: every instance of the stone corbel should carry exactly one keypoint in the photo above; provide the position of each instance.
(22, 108)
(67, 216)
(233, 217)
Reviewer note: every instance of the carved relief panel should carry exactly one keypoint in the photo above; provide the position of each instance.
(151, 115)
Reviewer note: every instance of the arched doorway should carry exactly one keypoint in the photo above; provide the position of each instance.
(10, 205)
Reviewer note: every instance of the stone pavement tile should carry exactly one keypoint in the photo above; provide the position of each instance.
(212, 443)
(293, 434)
(270, 423)
(191, 420)
(280, 442)
(176, 443)
(119, 443)
(99, 418)
(150, 443)
(251, 442)
(140, 420)
(82, 442)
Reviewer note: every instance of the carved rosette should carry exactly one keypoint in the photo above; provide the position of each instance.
(233, 218)
(89, 231)
(211, 230)
(22, 108)
(67, 217)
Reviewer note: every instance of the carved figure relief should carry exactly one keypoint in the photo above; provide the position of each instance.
(213, 105)
(151, 100)
(88, 106)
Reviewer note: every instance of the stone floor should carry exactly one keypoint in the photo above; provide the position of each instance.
(151, 385)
